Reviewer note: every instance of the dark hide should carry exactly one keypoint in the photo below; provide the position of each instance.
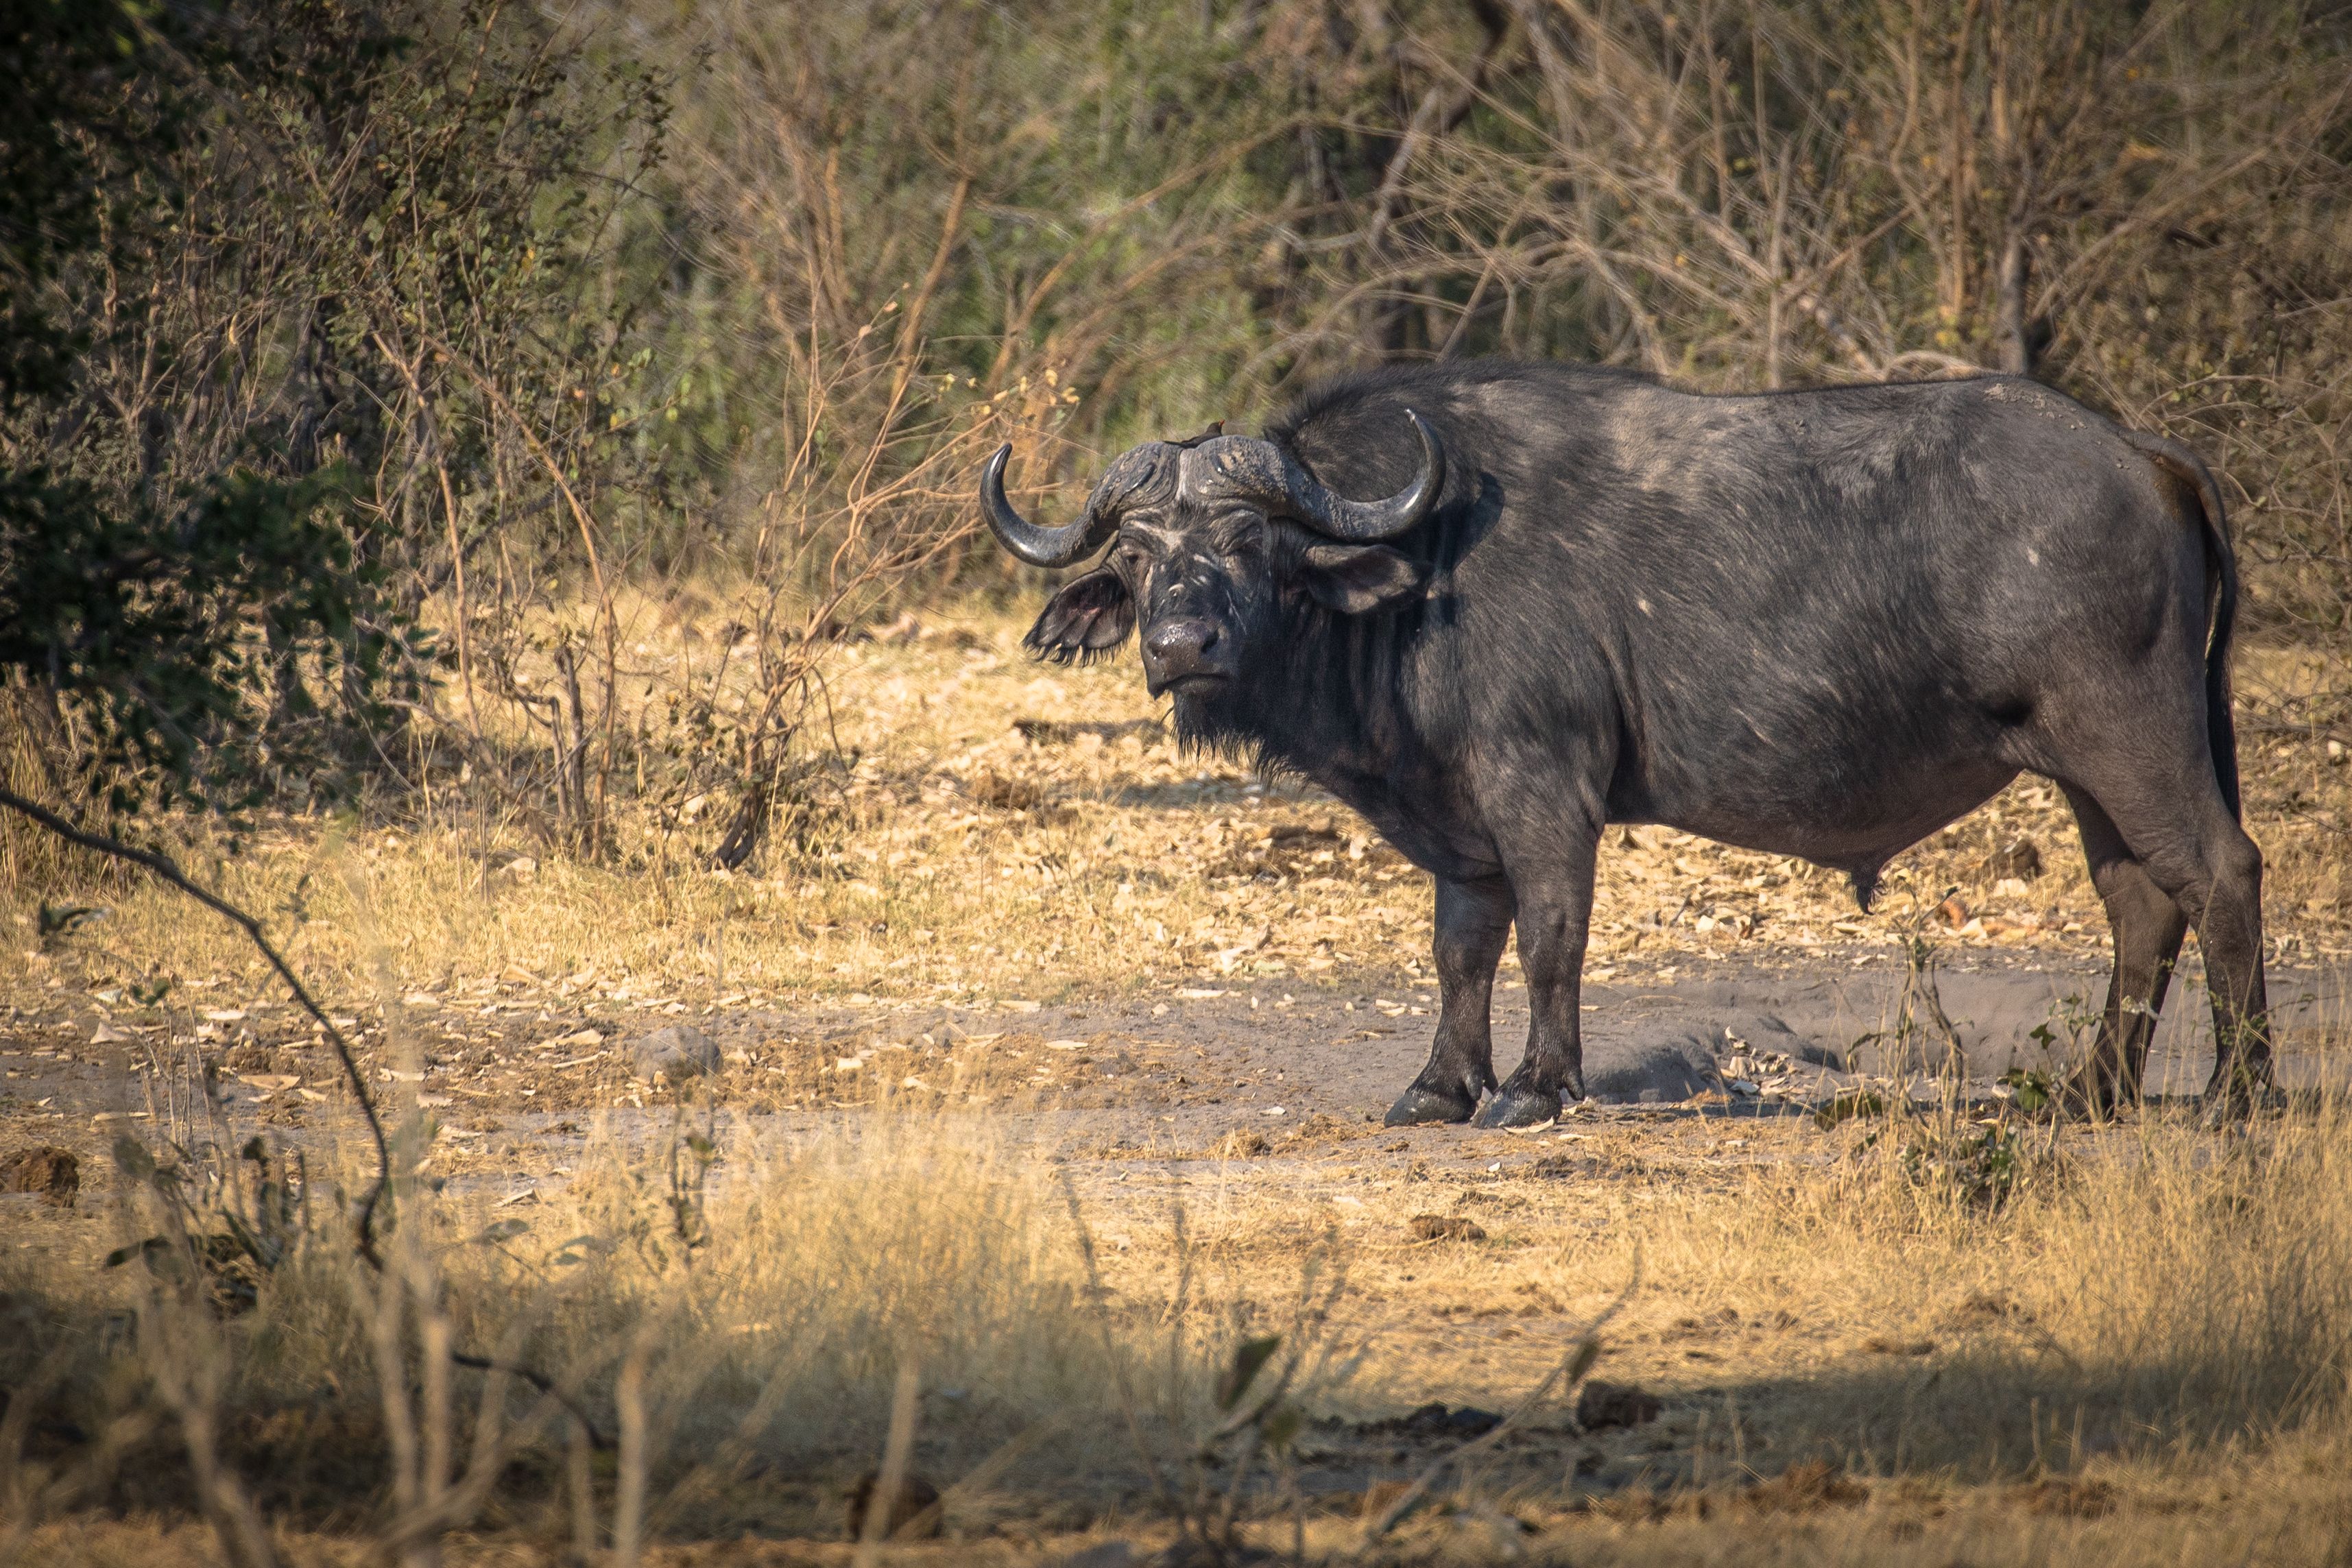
(1821, 623)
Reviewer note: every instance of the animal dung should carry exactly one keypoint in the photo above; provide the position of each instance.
(677, 1051)
(1446, 1227)
(1436, 1419)
(53, 1173)
(2020, 859)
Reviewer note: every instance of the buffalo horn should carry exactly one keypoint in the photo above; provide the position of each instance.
(1037, 545)
(1312, 503)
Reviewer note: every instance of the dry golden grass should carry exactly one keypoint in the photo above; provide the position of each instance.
(1905, 1340)
(2146, 1347)
(953, 856)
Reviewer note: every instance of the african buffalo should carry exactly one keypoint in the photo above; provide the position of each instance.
(1821, 623)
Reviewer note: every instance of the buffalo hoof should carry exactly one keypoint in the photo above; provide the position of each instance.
(1417, 1105)
(2090, 1097)
(1520, 1108)
(2223, 1107)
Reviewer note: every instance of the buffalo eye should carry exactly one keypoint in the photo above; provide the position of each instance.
(1245, 534)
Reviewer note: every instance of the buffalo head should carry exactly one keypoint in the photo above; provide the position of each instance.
(1208, 536)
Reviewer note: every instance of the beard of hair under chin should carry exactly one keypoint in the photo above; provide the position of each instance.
(1223, 724)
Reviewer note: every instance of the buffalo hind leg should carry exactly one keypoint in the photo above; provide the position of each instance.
(2147, 927)
(2190, 844)
(1555, 912)
(1473, 920)
(2230, 930)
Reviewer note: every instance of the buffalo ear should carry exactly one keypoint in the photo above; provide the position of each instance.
(1090, 615)
(1353, 579)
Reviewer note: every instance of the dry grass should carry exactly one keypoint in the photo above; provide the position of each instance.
(2146, 1347)
(2134, 1341)
(999, 831)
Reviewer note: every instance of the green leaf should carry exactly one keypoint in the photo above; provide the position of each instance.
(2031, 1092)
(1250, 1357)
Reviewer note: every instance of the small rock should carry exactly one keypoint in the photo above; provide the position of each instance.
(680, 1050)
(1606, 1405)
(916, 1496)
(1469, 1421)
(1446, 1227)
(52, 1172)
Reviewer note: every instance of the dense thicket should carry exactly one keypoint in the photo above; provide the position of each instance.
(1183, 209)
(514, 310)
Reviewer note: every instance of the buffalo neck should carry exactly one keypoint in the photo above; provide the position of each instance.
(1333, 702)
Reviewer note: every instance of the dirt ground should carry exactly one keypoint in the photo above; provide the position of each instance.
(1190, 995)
(1262, 1096)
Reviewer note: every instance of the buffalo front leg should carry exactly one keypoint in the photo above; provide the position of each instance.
(1474, 919)
(1554, 914)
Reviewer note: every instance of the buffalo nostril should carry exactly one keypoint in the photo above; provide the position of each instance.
(1181, 638)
